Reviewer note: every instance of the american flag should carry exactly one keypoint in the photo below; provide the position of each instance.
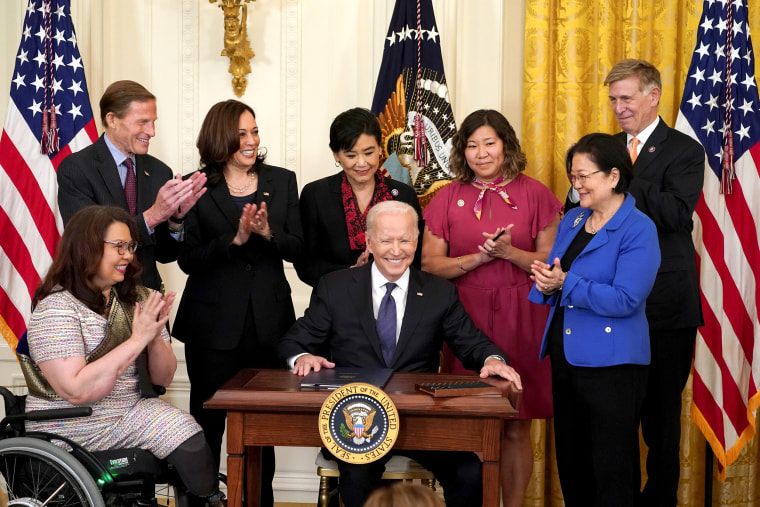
(720, 108)
(412, 101)
(49, 116)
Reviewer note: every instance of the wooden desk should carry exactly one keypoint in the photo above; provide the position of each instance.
(266, 407)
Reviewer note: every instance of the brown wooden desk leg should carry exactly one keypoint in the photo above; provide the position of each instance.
(491, 463)
(235, 459)
(491, 484)
(253, 472)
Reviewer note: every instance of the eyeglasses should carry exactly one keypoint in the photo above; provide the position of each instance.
(581, 177)
(121, 246)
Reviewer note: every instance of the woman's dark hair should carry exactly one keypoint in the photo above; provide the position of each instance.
(78, 258)
(608, 153)
(219, 137)
(349, 125)
(514, 158)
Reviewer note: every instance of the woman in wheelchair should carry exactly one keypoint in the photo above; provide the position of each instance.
(98, 338)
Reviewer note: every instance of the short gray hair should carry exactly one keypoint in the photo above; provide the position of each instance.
(391, 208)
(648, 75)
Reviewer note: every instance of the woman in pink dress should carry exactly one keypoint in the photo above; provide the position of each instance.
(483, 231)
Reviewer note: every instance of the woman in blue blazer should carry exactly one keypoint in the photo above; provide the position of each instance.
(602, 268)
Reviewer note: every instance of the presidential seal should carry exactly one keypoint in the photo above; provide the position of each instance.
(358, 423)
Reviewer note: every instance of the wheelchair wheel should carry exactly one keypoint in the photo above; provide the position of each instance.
(38, 473)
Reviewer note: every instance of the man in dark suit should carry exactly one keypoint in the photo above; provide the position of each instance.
(344, 313)
(117, 170)
(669, 171)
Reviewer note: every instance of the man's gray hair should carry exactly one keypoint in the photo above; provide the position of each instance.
(391, 208)
(648, 75)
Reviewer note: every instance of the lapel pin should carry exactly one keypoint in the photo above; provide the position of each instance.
(578, 220)
(394, 192)
(266, 194)
(460, 203)
(419, 293)
(146, 172)
(651, 149)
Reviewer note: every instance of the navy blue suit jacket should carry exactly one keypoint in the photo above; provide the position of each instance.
(340, 316)
(90, 177)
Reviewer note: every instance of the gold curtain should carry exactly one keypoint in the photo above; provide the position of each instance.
(570, 45)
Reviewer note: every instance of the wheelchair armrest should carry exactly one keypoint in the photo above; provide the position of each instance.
(57, 413)
(16, 420)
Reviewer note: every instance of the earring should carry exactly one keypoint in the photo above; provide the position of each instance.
(337, 164)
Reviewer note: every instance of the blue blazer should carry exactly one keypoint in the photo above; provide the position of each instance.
(606, 288)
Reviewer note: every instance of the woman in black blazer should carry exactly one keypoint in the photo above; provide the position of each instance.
(236, 304)
(334, 209)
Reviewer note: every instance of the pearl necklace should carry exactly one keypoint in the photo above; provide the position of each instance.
(240, 190)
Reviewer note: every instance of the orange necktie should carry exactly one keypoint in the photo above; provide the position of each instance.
(632, 150)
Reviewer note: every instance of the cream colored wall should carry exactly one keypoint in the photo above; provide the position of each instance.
(314, 59)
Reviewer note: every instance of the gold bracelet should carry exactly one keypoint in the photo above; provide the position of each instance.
(459, 263)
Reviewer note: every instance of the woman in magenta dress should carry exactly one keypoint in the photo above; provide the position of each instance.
(482, 232)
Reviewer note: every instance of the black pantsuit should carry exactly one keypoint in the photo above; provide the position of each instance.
(600, 405)
(236, 305)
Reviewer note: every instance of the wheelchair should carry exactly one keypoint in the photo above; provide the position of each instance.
(41, 469)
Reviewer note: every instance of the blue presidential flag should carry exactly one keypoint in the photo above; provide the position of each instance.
(412, 101)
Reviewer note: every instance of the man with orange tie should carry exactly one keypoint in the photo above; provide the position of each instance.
(669, 171)
(117, 170)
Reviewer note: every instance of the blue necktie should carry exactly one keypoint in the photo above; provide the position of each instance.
(386, 324)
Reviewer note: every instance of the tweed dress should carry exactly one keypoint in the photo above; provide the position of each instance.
(61, 326)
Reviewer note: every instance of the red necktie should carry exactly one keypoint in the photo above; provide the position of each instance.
(130, 186)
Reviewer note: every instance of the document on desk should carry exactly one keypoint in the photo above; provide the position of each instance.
(333, 378)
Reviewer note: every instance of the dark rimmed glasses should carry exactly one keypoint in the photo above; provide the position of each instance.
(123, 246)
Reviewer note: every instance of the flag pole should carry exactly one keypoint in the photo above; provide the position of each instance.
(709, 458)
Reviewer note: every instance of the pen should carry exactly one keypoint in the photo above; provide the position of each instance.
(498, 235)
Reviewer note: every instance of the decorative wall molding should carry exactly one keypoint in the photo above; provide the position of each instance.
(291, 77)
(189, 85)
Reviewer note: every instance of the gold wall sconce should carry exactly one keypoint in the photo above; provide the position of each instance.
(236, 45)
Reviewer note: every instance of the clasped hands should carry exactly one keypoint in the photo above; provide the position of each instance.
(151, 316)
(498, 244)
(175, 198)
(253, 220)
(549, 278)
